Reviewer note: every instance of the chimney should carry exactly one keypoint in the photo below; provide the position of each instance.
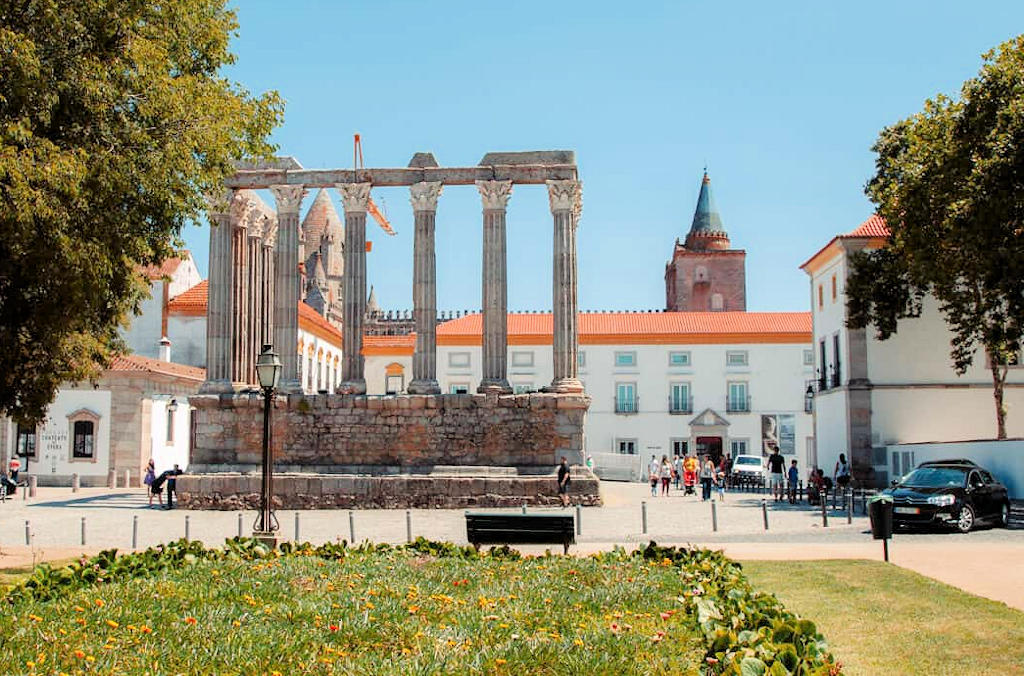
(165, 349)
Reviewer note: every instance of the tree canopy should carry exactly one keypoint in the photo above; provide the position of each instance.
(114, 123)
(949, 183)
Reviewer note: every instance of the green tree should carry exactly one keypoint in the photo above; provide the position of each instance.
(949, 183)
(114, 123)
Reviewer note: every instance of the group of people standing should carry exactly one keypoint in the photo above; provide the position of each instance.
(688, 470)
(156, 482)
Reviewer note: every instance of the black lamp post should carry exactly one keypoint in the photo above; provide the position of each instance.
(268, 370)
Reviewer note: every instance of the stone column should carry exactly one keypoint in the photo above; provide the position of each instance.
(218, 310)
(256, 299)
(355, 198)
(267, 255)
(495, 196)
(566, 199)
(424, 288)
(286, 284)
(240, 297)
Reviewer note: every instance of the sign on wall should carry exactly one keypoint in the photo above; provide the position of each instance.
(778, 431)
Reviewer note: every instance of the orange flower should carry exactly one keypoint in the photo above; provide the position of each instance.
(615, 628)
(79, 654)
(657, 637)
(145, 629)
(99, 603)
(190, 620)
(333, 627)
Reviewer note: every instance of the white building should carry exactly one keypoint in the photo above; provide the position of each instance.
(872, 394)
(660, 382)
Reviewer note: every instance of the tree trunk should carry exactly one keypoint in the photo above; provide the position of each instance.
(998, 378)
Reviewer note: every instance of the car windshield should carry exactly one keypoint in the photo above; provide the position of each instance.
(748, 461)
(932, 477)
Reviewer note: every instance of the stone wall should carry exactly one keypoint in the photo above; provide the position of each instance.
(232, 491)
(348, 432)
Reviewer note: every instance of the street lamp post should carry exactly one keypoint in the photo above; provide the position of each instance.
(268, 370)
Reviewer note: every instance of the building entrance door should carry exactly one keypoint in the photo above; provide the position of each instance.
(710, 446)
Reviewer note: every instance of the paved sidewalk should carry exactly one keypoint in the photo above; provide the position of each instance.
(986, 562)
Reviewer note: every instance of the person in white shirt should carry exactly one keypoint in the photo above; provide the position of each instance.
(654, 474)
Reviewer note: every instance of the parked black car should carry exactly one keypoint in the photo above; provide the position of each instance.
(952, 492)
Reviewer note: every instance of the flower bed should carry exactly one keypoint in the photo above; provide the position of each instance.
(422, 608)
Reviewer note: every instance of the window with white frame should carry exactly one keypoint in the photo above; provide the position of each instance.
(393, 384)
(736, 358)
(458, 388)
(625, 398)
(625, 358)
(738, 400)
(678, 358)
(458, 359)
(625, 446)
(808, 357)
(522, 359)
(679, 398)
(26, 447)
(738, 446)
(680, 447)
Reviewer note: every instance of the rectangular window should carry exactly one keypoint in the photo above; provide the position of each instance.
(522, 359)
(837, 373)
(738, 400)
(26, 442)
(626, 446)
(678, 358)
(834, 289)
(679, 398)
(736, 358)
(625, 398)
(458, 359)
(458, 388)
(808, 357)
(170, 422)
(625, 358)
(822, 383)
(581, 359)
(394, 384)
(84, 439)
(738, 447)
(679, 447)
(309, 370)
(821, 297)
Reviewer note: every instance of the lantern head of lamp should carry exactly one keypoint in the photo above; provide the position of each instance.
(809, 399)
(268, 368)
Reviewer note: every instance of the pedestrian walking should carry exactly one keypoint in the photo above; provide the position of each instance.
(653, 474)
(677, 470)
(172, 480)
(842, 472)
(794, 476)
(776, 464)
(564, 477)
(665, 472)
(690, 468)
(148, 480)
(707, 476)
(720, 484)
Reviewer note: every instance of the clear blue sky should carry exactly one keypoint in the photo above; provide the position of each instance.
(781, 100)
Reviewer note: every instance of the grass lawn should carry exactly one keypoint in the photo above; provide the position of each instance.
(881, 619)
(397, 612)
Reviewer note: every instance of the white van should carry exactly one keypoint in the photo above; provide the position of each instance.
(748, 468)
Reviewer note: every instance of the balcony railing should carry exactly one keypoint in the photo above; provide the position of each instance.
(680, 405)
(737, 404)
(627, 406)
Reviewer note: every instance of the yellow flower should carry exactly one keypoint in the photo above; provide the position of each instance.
(112, 624)
(578, 641)
(500, 661)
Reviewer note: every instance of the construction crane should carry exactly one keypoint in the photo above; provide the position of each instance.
(357, 164)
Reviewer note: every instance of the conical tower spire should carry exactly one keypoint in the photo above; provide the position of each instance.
(706, 231)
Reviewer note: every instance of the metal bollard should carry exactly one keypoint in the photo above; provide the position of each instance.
(849, 507)
(74, 483)
(408, 526)
(186, 526)
(33, 483)
(28, 533)
(296, 526)
(714, 516)
(643, 516)
(824, 511)
(135, 532)
(239, 524)
(351, 527)
(579, 520)
(83, 531)
(764, 513)
(24, 492)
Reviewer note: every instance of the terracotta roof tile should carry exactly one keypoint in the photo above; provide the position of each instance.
(191, 301)
(873, 227)
(312, 321)
(134, 362)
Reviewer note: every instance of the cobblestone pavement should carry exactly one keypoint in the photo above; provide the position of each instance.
(794, 532)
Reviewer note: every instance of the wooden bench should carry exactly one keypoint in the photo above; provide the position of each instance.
(523, 529)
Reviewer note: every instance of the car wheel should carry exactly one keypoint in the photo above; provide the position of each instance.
(965, 522)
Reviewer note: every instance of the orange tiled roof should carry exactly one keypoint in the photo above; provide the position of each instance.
(311, 320)
(165, 269)
(134, 362)
(873, 227)
(191, 301)
(393, 345)
(644, 327)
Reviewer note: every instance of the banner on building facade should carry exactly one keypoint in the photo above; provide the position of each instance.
(778, 431)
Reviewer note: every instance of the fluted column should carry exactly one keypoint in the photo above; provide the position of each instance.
(495, 196)
(566, 198)
(256, 301)
(240, 297)
(355, 197)
(218, 307)
(287, 284)
(424, 288)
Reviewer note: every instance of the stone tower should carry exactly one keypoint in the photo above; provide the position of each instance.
(323, 235)
(705, 274)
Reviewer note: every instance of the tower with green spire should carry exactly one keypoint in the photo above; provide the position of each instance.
(705, 274)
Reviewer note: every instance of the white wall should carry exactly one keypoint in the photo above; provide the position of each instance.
(323, 354)
(376, 368)
(166, 454)
(54, 438)
(830, 410)
(143, 334)
(188, 339)
(1004, 459)
(919, 415)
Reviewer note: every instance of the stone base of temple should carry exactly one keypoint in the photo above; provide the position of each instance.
(386, 488)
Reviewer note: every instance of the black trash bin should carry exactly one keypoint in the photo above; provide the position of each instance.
(880, 512)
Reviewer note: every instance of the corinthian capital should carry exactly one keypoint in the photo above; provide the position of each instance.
(355, 197)
(219, 201)
(288, 198)
(566, 196)
(495, 194)
(423, 196)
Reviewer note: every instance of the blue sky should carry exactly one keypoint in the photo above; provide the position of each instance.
(781, 100)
